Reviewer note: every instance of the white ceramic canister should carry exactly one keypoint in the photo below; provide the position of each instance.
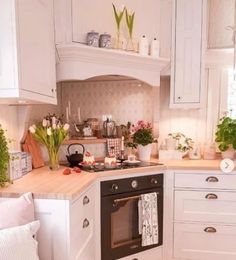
(155, 48)
(143, 46)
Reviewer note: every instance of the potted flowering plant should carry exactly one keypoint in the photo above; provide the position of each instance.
(143, 138)
(51, 132)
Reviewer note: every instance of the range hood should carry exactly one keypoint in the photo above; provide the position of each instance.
(79, 62)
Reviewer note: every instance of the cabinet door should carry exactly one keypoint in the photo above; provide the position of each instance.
(221, 15)
(8, 66)
(36, 46)
(187, 46)
(204, 242)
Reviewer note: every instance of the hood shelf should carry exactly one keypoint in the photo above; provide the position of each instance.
(79, 62)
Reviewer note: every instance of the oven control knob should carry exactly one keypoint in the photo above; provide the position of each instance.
(154, 181)
(134, 184)
(114, 187)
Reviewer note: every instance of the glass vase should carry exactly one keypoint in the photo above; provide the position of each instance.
(130, 46)
(53, 159)
(118, 41)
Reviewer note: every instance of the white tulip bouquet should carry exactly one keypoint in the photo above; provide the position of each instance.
(51, 132)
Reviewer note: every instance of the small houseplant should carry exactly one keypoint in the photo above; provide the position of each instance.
(51, 133)
(226, 136)
(118, 17)
(4, 159)
(143, 138)
(184, 144)
(130, 26)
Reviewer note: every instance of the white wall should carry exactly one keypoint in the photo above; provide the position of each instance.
(9, 122)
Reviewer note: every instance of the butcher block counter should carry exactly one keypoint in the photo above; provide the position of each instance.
(47, 184)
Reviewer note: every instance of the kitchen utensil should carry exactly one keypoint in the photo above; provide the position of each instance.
(109, 128)
(75, 158)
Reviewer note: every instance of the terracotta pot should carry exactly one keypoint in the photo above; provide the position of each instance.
(228, 154)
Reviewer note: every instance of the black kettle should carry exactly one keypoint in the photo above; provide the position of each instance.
(75, 158)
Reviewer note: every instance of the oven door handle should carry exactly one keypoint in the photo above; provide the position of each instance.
(129, 198)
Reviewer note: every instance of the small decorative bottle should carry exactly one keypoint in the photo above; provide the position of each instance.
(155, 48)
(143, 46)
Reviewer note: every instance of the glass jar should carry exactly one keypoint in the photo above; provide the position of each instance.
(209, 152)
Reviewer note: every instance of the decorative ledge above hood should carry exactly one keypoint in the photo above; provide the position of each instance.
(80, 62)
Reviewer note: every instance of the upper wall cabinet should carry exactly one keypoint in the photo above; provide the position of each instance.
(27, 52)
(220, 17)
(187, 53)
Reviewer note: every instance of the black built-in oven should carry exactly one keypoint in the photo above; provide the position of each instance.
(120, 218)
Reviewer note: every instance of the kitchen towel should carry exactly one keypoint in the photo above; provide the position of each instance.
(113, 146)
(148, 218)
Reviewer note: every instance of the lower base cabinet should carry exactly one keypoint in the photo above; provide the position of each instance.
(204, 241)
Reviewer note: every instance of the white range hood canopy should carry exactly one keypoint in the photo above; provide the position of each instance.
(79, 62)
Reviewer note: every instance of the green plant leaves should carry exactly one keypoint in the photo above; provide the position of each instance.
(4, 159)
(130, 22)
(226, 133)
(118, 16)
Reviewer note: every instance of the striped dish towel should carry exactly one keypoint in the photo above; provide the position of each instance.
(113, 146)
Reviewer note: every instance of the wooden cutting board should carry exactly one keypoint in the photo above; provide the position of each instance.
(32, 147)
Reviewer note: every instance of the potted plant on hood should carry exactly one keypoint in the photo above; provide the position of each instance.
(226, 136)
(143, 137)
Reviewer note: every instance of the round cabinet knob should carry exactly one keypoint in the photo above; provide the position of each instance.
(114, 187)
(154, 181)
(134, 184)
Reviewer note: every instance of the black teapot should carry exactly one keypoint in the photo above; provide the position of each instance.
(75, 158)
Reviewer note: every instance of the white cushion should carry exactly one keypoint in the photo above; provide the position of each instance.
(17, 243)
(15, 212)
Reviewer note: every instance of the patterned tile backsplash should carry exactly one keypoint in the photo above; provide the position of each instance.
(125, 100)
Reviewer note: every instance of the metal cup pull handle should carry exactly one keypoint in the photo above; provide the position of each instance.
(212, 179)
(210, 230)
(86, 200)
(85, 223)
(211, 196)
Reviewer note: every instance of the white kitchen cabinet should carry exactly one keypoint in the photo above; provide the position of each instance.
(187, 63)
(220, 16)
(27, 52)
(204, 225)
(82, 219)
(66, 228)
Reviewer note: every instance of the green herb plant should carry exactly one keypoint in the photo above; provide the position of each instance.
(226, 133)
(4, 159)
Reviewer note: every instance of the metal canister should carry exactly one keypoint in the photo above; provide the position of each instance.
(92, 38)
(105, 40)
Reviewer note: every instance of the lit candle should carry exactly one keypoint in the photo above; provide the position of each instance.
(122, 143)
(79, 117)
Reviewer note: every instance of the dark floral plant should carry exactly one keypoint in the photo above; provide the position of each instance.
(142, 133)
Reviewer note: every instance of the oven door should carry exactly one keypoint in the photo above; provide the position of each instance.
(120, 224)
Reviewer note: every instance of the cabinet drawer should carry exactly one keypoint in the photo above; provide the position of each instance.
(204, 242)
(213, 206)
(205, 181)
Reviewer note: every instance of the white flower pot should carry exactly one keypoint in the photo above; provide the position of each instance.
(228, 154)
(144, 152)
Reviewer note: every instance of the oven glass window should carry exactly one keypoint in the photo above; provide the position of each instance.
(124, 223)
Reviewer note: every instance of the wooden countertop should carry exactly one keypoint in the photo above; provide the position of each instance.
(46, 184)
